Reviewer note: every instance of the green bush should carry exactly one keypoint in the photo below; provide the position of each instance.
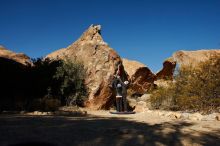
(43, 85)
(71, 75)
(55, 83)
(194, 89)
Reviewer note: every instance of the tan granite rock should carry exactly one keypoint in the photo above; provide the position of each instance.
(101, 63)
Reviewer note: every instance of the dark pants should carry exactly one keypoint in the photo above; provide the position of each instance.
(124, 102)
(119, 104)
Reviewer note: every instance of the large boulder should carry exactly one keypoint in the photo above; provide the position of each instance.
(167, 72)
(193, 58)
(101, 63)
(140, 76)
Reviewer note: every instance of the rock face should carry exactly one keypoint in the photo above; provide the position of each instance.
(141, 77)
(186, 58)
(13, 73)
(169, 66)
(101, 62)
(18, 57)
(132, 66)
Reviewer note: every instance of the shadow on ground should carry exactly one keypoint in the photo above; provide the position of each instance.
(17, 130)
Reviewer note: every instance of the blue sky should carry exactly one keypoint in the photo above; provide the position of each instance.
(148, 31)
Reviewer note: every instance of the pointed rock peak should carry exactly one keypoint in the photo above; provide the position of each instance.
(93, 33)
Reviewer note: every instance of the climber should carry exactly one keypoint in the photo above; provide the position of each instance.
(121, 89)
(118, 86)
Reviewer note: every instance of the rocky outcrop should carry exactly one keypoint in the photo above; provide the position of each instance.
(140, 104)
(140, 76)
(101, 63)
(184, 115)
(132, 66)
(13, 79)
(169, 66)
(182, 59)
(193, 58)
(17, 57)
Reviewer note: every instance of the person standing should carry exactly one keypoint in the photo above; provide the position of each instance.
(124, 94)
(118, 86)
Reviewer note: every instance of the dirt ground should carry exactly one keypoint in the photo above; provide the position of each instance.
(100, 128)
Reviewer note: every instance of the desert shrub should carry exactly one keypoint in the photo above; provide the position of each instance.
(164, 98)
(41, 77)
(50, 104)
(54, 83)
(41, 85)
(194, 89)
(44, 104)
(39, 81)
(71, 75)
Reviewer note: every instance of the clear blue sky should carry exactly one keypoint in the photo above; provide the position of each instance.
(145, 30)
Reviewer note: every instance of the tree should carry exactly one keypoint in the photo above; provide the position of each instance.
(71, 75)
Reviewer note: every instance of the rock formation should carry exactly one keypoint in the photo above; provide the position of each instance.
(141, 78)
(186, 58)
(169, 66)
(182, 59)
(13, 69)
(18, 57)
(101, 63)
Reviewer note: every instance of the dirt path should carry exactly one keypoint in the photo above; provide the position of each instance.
(152, 118)
(100, 128)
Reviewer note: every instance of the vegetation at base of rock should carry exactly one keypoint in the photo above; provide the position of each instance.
(44, 104)
(56, 83)
(41, 77)
(45, 85)
(193, 89)
(71, 75)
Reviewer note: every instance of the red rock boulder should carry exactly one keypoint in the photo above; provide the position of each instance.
(141, 78)
(167, 71)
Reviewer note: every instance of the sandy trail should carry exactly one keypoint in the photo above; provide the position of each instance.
(100, 128)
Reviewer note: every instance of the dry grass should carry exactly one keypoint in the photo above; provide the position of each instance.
(195, 89)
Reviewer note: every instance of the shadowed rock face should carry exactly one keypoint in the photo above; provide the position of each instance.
(169, 66)
(187, 58)
(140, 76)
(101, 63)
(17, 57)
(13, 79)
